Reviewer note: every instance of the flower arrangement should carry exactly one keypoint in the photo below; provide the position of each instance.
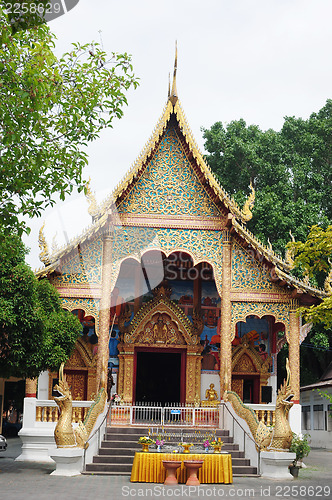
(115, 398)
(216, 443)
(159, 442)
(206, 444)
(146, 440)
(300, 447)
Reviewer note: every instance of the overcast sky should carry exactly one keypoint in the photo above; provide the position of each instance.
(260, 60)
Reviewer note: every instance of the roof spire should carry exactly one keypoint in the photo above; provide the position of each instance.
(174, 97)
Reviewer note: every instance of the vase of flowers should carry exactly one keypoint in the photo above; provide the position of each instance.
(217, 445)
(186, 447)
(301, 448)
(115, 398)
(206, 445)
(159, 443)
(145, 441)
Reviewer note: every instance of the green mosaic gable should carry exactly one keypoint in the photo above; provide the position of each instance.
(169, 185)
(83, 268)
(248, 273)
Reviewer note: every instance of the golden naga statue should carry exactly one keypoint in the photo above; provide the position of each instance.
(64, 434)
(267, 438)
(249, 204)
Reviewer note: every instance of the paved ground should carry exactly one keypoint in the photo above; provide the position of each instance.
(23, 480)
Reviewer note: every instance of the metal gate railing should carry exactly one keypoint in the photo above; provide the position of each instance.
(172, 415)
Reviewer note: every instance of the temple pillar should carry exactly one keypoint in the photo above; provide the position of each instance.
(293, 339)
(104, 314)
(30, 387)
(191, 379)
(225, 322)
(128, 370)
(120, 380)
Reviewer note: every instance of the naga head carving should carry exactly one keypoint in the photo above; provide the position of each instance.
(285, 393)
(63, 388)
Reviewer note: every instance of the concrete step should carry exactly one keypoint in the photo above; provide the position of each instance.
(125, 469)
(109, 467)
(113, 459)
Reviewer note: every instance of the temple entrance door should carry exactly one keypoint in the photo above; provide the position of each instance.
(159, 376)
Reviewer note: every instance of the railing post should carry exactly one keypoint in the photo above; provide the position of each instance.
(131, 415)
(193, 418)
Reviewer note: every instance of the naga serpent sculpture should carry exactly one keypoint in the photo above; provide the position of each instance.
(64, 434)
(267, 438)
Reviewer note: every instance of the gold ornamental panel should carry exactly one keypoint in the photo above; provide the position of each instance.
(245, 365)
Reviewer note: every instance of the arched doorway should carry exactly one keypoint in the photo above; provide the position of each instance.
(159, 332)
(254, 351)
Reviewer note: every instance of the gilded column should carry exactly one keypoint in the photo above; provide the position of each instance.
(294, 349)
(128, 368)
(104, 314)
(30, 387)
(225, 322)
(191, 377)
(120, 376)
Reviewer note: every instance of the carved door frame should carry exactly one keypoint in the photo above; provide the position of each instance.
(181, 350)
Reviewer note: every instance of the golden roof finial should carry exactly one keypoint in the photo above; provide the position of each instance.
(44, 255)
(328, 280)
(174, 94)
(289, 255)
(250, 201)
(169, 86)
(93, 207)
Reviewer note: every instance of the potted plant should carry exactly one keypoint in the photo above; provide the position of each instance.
(206, 445)
(145, 441)
(301, 448)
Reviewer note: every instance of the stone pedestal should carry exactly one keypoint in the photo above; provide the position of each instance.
(274, 464)
(192, 468)
(69, 461)
(171, 466)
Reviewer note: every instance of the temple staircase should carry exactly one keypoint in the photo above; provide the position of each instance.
(118, 448)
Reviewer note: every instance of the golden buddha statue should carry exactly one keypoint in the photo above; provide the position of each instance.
(211, 397)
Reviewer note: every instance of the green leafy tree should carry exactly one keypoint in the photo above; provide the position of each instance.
(36, 334)
(50, 109)
(315, 257)
(290, 171)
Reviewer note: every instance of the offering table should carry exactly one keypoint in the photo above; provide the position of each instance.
(148, 467)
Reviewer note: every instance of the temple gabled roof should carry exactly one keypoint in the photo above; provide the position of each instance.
(173, 115)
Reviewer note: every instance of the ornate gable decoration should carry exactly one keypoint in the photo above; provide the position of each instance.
(168, 185)
(245, 359)
(161, 323)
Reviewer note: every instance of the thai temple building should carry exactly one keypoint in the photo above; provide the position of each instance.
(174, 293)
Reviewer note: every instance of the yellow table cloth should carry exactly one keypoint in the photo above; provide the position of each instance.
(148, 467)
